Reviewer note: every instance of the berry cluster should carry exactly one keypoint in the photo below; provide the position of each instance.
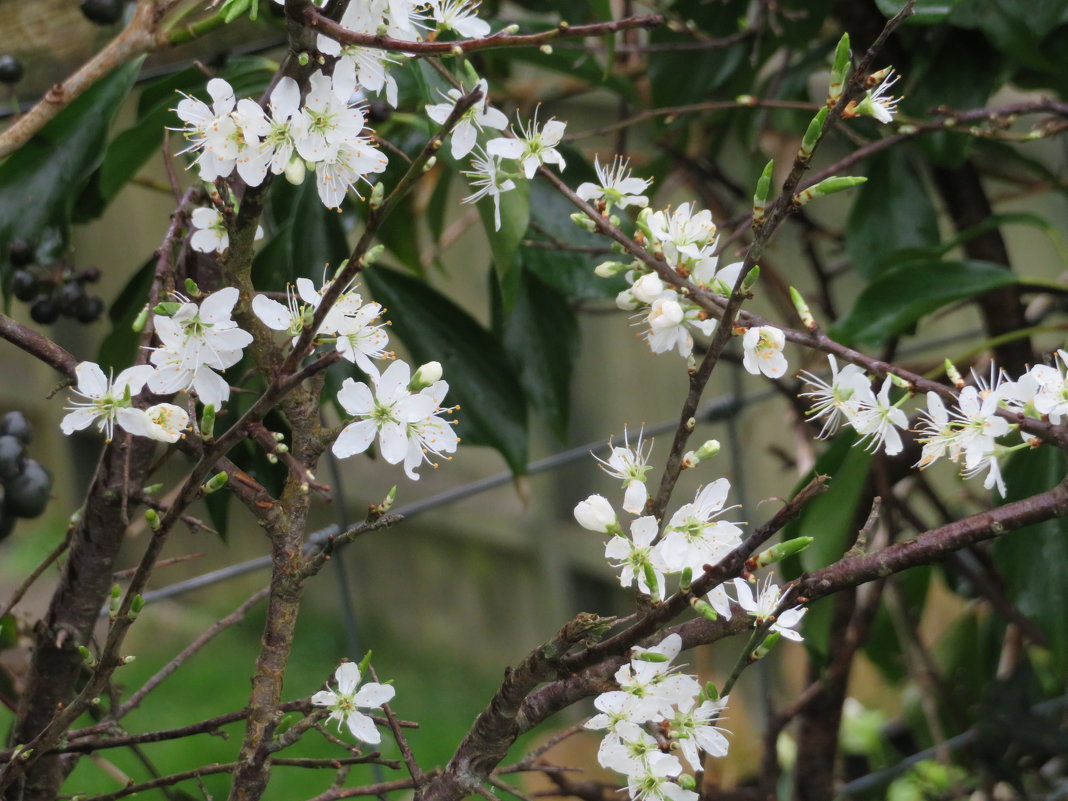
(103, 12)
(26, 483)
(53, 292)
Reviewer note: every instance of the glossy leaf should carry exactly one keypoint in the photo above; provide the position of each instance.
(38, 184)
(541, 338)
(493, 410)
(892, 211)
(898, 298)
(504, 243)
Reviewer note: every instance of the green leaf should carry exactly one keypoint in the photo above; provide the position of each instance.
(882, 646)
(493, 410)
(515, 215)
(898, 298)
(39, 182)
(120, 345)
(317, 240)
(928, 12)
(1033, 560)
(541, 338)
(892, 211)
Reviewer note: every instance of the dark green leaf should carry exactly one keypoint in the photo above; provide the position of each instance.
(120, 345)
(1034, 560)
(493, 410)
(541, 338)
(317, 241)
(39, 182)
(892, 211)
(899, 297)
(504, 242)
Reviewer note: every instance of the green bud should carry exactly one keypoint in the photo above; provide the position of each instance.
(430, 163)
(778, 552)
(708, 450)
(642, 222)
(152, 518)
(278, 436)
(803, 310)
(547, 49)
(152, 489)
(128, 659)
(839, 70)
(296, 170)
(685, 579)
(387, 502)
(583, 221)
(427, 374)
(191, 288)
(282, 448)
(610, 269)
(141, 320)
(115, 601)
(765, 647)
(87, 656)
(303, 59)
(207, 422)
(751, 278)
(650, 579)
(704, 608)
(372, 255)
(651, 656)
(954, 374)
(365, 663)
(215, 483)
(828, 186)
(136, 606)
(510, 30)
(167, 308)
(378, 193)
(711, 693)
(814, 132)
(687, 782)
(763, 189)
(286, 722)
(899, 382)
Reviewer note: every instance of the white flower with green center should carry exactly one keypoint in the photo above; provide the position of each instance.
(488, 180)
(107, 402)
(684, 233)
(762, 351)
(212, 130)
(694, 537)
(477, 118)
(630, 465)
(270, 142)
(655, 783)
(531, 147)
(328, 120)
(346, 702)
(359, 340)
(195, 341)
(836, 400)
(431, 435)
(764, 604)
(391, 412)
(345, 164)
(460, 16)
(877, 420)
(616, 187)
(877, 103)
(693, 729)
(636, 556)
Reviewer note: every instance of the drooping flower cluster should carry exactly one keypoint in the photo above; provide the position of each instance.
(327, 131)
(349, 698)
(195, 341)
(652, 695)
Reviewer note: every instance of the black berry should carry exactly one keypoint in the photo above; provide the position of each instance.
(27, 494)
(10, 458)
(68, 297)
(89, 275)
(44, 310)
(89, 309)
(20, 252)
(103, 12)
(24, 285)
(10, 70)
(15, 424)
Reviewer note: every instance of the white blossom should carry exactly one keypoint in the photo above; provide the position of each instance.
(269, 140)
(477, 118)
(210, 234)
(346, 702)
(635, 555)
(694, 537)
(693, 729)
(106, 402)
(877, 420)
(596, 514)
(460, 16)
(762, 351)
(615, 186)
(211, 130)
(630, 465)
(836, 400)
(531, 147)
(683, 233)
(488, 181)
(765, 603)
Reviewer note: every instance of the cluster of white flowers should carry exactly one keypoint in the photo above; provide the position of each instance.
(195, 341)
(403, 411)
(346, 702)
(680, 711)
(967, 433)
(327, 132)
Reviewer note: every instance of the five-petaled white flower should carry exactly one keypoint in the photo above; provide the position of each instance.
(346, 702)
(762, 351)
(460, 16)
(630, 466)
(108, 402)
(477, 118)
(488, 181)
(616, 186)
(836, 400)
(877, 420)
(212, 130)
(765, 603)
(531, 147)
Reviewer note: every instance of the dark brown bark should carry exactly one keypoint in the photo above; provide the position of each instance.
(84, 585)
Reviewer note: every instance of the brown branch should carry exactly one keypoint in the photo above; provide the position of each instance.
(38, 345)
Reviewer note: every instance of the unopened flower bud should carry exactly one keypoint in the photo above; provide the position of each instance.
(296, 170)
(954, 374)
(583, 221)
(751, 278)
(828, 186)
(648, 288)
(378, 193)
(690, 460)
(140, 320)
(152, 518)
(687, 782)
(546, 49)
(151, 489)
(704, 608)
(427, 374)
(207, 421)
(803, 311)
(166, 309)
(710, 692)
(596, 514)
(511, 30)
(778, 552)
(708, 450)
(303, 59)
(272, 459)
(114, 601)
(685, 579)
(372, 255)
(136, 605)
(191, 288)
(763, 189)
(838, 71)
(813, 133)
(610, 269)
(87, 656)
(129, 659)
(765, 647)
(430, 163)
(215, 483)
